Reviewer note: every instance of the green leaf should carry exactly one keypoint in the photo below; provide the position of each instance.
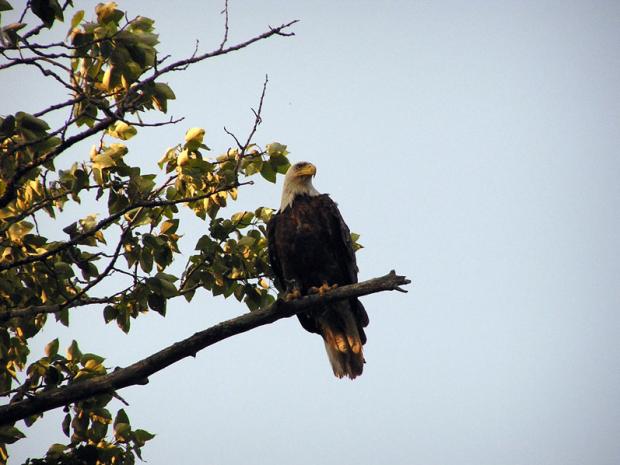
(268, 172)
(116, 202)
(102, 161)
(163, 256)
(167, 277)
(165, 91)
(121, 430)
(242, 219)
(157, 303)
(162, 287)
(47, 11)
(52, 376)
(247, 241)
(109, 313)
(356, 245)
(151, 241)
(55, 451)
(5, 6)
(160, 98)
(275, 148)
(10, 434)
(77, 18)
(66, 423)
(189, 295)
(279, 163)
(7, 126)
(122, 130)
(141, 436)
(143, 184)
(63, 270)
(142, 23)
(121, 417)
(146, 260)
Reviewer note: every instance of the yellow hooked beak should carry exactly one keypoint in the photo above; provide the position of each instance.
(307, 170)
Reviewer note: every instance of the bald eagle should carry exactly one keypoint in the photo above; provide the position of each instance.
(310, 250)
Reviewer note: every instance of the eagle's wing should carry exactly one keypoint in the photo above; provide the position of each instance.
(343, 241)
(348, 261)
(274, 260)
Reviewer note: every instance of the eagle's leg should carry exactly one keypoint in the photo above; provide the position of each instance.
(292, 291)
(323, 289)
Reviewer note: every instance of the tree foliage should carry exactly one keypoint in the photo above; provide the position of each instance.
(110, 67)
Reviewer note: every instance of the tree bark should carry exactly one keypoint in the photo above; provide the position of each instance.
(138, 372)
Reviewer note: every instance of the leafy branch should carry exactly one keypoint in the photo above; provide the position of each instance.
(104, 223)
(124, 104)
(139, 372)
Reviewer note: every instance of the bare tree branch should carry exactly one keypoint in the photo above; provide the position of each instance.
(139, 372)
(225, 13)
(182, 64)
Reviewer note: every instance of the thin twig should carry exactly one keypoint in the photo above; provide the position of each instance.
(225, 13)
(257, 121)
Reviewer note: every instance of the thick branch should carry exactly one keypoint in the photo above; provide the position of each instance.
(139, 372)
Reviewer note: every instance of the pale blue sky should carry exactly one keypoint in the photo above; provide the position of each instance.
(474, 146)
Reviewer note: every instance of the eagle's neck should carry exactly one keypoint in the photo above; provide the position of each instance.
(292, 189)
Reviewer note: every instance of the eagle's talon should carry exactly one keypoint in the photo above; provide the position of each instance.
(325, 288)
(293, 294)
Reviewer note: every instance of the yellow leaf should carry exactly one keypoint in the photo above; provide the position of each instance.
(195, 135)
(183, 158)
(89, 222)
(169, 155)
(122, 130)
(194, 138)
(100, 237)
(105, 10)
(19, 230)
(107, 79)
(91, 364)
(116, 151)
(103, 161)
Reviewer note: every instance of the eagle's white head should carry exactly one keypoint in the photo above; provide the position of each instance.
(298, 181)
